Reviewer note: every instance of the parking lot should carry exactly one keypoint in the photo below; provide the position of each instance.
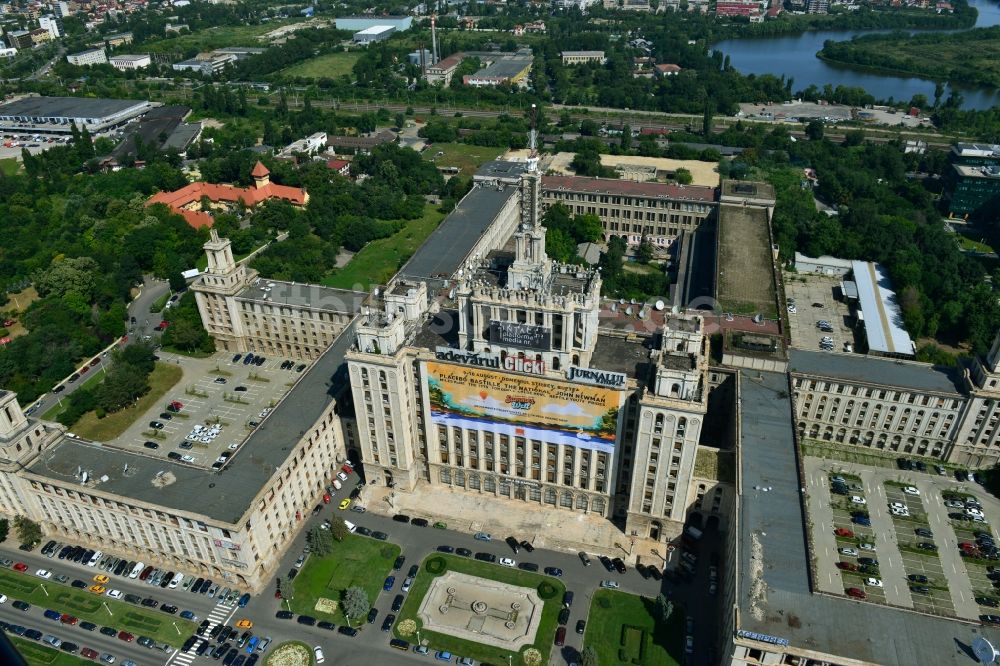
(815, 299)
(222, 400)
(917, 546)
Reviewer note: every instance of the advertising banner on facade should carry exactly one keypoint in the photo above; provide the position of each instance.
(522, 406)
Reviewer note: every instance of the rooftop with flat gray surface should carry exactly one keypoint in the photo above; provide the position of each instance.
(68, 107)
(314, 296)
(874, 370)
(450, 244)
(771, 515)
(184, 488)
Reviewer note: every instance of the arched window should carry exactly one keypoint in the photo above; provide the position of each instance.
(675, 389)
(550, 496)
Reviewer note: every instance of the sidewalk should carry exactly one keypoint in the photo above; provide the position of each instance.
(544, 526)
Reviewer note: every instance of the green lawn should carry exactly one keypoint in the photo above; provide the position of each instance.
(626, 631)
(162, 379)
(967, 243)
(42, 655)
(466, 157)
(329, 65)
(380, 259)
(217, 37)
(93, 380)
(357, 560)
(9, 166)
(478, 651)
(88, 606)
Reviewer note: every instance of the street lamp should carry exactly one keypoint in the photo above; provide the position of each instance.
(105, 604)
(42, 585)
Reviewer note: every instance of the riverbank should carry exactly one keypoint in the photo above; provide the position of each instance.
(970, 57)
(965, 16)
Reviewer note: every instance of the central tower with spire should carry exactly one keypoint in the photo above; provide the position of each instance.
(532, 267)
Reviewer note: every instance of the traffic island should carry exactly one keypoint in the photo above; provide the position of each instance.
(480, 610)
(292, 653)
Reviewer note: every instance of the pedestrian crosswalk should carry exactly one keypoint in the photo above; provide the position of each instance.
(221, 614)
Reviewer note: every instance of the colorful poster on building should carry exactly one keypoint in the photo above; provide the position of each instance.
(522, 406)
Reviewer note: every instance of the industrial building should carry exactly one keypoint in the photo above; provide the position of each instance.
(823, 265)
(206, 63)
(130, 62)
(87, 58)
(501, 68)
(55, 115)
(579, 57)
(376, 33)
(356, 23)
(879, 314)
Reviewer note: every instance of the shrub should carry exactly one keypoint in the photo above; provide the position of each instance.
(406, 628)
(546, 590)
(531, 657)
(436, 565)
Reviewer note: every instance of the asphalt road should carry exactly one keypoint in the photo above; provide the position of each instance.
(139, 308)
(371, 644)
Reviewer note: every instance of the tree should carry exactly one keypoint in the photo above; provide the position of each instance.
(814, 130)
(644, 253)
(321, 541)
(683, 176)
(28, 532)
(706, 119)
(588, 657)
(664, 607)
(338, 530)
(626, 136)
(355, 602)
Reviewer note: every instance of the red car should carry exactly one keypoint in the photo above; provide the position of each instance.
(843, 532)
(347, 469)
(176, 406)
(847, 566)
(164, 324)
(856, 593)
(326, 499)
(68, 619)
(89, 653)
(20, 566)
(561, 636)
(124, 339)
(125, 636)
(84, 369)
(94, 361)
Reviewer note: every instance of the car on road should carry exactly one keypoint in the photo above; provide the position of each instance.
(398, 564)
(911, 490)
(389, 582)
(445, 549)
(344, 503)
(347, 631)
(924, 532)
(372, 614)
(610, 584)
(307, 620)
(381, 536)
(855, 592)
(857, 499)
(584, 558)
(482, 536)
(990, 619)
(43, 573)
(397, 603)
(873, 582)
(387, 622)
(554, 571)
(563, 615)
(318, 653)
(987, 601)
(463, 552)
(284, 615)
(850, 552)
(125, 636)
(407, 584)
(441, 655)
(560, 636)
(513, 543)
(619, 565)
(507, 562)
(528, 566)
(864, 521)
(244, 623)
(917, 578)
(486, 557)
(581, 626)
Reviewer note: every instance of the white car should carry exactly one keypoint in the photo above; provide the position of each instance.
(341, 476)
(850, 552)
(911, 490)
(954, 504)
(903, 513)
(974, 512)
(114, 594)
(318, 651)
(43, 573)
(792, 309)
(857, 499)
(609, 584)
(896, 505)
(407, 584)
(3, 598)
(866, 546)
(873, 582)
(507, 562)
(187, 458)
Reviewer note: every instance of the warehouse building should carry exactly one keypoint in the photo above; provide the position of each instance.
(501, 68)
(55, 115)
(376, 33)
(356, 23)
(130, 62)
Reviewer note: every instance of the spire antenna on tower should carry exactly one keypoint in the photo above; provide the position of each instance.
(532, 140)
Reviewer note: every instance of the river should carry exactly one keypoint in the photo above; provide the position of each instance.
(795, 57)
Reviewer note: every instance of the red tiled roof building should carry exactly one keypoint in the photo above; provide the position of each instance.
(187, 200)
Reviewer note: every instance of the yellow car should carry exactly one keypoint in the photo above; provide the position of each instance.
(344, 503)
(97, 589)
(100, 578)
(244, 624)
